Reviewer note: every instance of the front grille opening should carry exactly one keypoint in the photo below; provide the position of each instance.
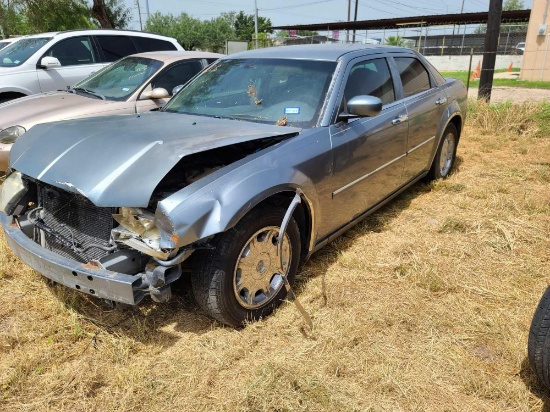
(76, 220)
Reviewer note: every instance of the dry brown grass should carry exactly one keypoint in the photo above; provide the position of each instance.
(425, 306)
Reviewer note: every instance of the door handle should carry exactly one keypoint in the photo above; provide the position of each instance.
(441, 100)
(400, 119)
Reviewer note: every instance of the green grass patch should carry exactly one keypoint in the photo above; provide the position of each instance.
(463, 75)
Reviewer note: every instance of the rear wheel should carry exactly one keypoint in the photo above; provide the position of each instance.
(446, 154)
(240, 280)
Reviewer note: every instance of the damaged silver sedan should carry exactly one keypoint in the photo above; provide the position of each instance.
(260, 161)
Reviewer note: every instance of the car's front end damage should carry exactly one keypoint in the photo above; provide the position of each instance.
(104, 233)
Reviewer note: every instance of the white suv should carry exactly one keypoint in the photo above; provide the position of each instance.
(54, 61)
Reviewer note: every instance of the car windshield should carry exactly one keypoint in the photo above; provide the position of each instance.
(273, 91)
(17, 53)
(119, 80)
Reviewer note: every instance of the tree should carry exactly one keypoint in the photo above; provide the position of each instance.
(187, 30)
(216, 31)
(55, 15)
(244, 26)
(18, 17)
(507, 28)
(513, 5)
(395, 41)
(119, 15)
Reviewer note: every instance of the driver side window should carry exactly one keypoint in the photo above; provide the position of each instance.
(370, 78)
(73, 52)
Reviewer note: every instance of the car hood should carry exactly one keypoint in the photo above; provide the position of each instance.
(119, 160)
(53, 106)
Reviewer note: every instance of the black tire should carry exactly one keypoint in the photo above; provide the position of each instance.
(538, 346)
(217, 273)
(445, 156)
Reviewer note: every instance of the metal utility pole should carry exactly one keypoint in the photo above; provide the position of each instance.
(256, 21)
(355, 17)
(490, 50)
(349, 15)
(139, 14)
(147, 10)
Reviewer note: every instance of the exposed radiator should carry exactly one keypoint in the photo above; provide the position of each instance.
(77, 221)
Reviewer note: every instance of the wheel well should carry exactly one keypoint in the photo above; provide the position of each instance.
(302, 215)
(457, 121)
(4, 97)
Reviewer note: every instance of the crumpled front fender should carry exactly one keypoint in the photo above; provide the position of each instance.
(217, 202)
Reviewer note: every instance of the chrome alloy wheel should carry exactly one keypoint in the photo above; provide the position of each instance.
(447, 153)
(257, 278)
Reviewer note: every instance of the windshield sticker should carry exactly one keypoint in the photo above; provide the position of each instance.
(125, 89)
(292, 110)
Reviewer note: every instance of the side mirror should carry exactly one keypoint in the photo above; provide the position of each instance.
(156, 93)
(362, 106)
(177, 89)
(49, 62)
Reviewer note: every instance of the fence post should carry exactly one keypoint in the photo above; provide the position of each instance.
(469, 70)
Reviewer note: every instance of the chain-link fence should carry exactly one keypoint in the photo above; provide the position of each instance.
(429, 40)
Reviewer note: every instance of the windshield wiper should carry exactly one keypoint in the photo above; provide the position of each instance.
(81, 89)
(237, 116)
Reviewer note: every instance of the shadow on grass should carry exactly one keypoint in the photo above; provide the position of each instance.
(148, 322)
(533, 385)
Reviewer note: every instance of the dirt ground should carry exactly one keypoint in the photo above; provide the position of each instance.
(515, 94)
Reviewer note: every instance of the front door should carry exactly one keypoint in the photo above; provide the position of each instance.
(77, 59)
(368, 152)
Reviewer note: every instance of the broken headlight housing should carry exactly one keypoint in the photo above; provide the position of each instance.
(12, 192)
(137, 230)
(11, 134)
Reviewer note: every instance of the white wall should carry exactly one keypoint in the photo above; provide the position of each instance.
(461, 63)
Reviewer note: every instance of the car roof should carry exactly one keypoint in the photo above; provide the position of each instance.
(68, 33)
(174, 55)
(331, 52)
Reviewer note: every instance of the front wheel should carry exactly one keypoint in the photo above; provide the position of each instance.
(446, 154)
(240, 280)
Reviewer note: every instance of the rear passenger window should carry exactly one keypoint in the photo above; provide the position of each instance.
(146, 44)
(370, 78)
(73, 52)
(116, 47)
(413, 74)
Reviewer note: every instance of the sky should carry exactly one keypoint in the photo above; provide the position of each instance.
(284, 12)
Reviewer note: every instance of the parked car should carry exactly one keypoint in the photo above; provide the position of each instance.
(7, 42)
(261, 160)
(538, 345)
(54, 61)
(134, 84)
(520, 48)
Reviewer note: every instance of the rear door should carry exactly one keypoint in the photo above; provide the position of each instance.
(78, 60)
(368, 152)
(426, 103)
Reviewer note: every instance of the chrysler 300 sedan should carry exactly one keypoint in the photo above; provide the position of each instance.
(261, 160)
(134, 84)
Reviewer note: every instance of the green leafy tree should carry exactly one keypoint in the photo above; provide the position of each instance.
(111, 14)
(513, 5)
(395, 41)
(245, 29)
(507, 28)
(216, 32)
(187, 30)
